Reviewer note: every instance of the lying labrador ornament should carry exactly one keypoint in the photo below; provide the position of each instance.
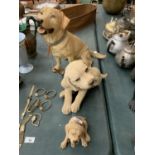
(63, 44)
(76, 130)
(79, 78)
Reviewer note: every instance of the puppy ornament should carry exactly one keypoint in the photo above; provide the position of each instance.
(76, 130)
(79, 78)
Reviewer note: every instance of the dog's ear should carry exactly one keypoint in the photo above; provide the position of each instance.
(65, 83)
(104, 75)
(65, 21)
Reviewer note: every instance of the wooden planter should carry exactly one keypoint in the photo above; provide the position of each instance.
(80, 15)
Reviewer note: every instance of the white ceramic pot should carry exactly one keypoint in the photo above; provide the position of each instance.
(24, 66)
(118, 42)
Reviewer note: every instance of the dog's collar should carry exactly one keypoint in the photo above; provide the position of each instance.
(59, 41)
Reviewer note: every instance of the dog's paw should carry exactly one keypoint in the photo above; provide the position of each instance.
(66, 109)
(63, 145)
(73, 145)
(62, 94)
(84, 144)
(75, 108)
(54, 69)
(58, 70)
(88, 138)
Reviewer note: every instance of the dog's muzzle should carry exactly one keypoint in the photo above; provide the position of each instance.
(44, 31)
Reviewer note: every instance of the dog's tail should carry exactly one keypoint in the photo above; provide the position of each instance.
(98, 55)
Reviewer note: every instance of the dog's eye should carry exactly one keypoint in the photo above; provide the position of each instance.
(41, 13)
(77, 79)
(53, 16)
(86, 70)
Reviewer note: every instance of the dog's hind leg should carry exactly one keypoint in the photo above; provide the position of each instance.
(65, 141)
(86, 58)
(84, 142)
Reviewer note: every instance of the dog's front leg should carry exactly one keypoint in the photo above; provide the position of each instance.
(70, 59)
(88, 137)
(65, 141)
(78, 100)
(66, 109)
(83, 141)
(57, 67)
(62, 94)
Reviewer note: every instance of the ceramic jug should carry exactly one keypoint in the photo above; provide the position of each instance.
(118, 42)
(126, 57)
(115, 26)
(113, 6)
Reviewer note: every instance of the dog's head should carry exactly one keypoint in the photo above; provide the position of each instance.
(51, 20)
(74, 135)
(75, 131)
(78, 76)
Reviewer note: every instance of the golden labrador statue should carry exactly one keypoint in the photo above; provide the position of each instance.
(63, 44)
(76, 130)
(79, 78)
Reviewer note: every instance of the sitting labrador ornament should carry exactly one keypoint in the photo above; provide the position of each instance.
(79, 78)
(76, 130)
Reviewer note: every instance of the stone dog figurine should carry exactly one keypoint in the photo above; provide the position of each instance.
(63, 44)
(78, 77)
(76, 130)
